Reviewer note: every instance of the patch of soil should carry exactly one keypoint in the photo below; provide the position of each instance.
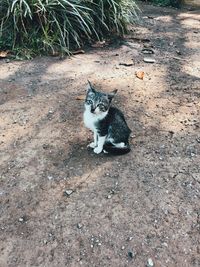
(62, 205)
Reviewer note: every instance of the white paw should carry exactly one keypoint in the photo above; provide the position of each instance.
(92, 145)
(98, 150)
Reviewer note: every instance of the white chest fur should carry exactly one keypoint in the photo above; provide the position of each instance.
(90, 119)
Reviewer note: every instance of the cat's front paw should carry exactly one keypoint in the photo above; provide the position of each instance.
(98, 150)
(92, 145)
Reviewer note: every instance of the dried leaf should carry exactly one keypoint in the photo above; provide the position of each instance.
(3, 54)
(80, 97)
(55, 54)
(127, 64)
(78, 52)
(140, 74)
(99, 44)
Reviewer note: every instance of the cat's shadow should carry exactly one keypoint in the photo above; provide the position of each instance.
(81, 153)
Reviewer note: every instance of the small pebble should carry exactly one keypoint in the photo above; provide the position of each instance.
(79, 225)
(147, 51)
(130, 254)
(45, 146)
(149, 60)
(68, 192)
(127, 64)
(150, 263)
(21, 219)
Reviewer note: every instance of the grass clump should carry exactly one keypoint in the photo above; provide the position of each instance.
(46, 26)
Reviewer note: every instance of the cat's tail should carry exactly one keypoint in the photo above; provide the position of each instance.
(118, 149)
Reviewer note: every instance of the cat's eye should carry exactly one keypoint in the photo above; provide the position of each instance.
(89, 102)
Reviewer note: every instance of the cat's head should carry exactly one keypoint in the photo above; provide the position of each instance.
(97, 102)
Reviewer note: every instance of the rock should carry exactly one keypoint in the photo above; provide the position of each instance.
(45, 146)
(126, 64)
(79, 225)
(147, 51)
(68, 192)
(198, 139)
(149, 60)
(178, 52)
(150, 263)
(23, 219)
(131, 254)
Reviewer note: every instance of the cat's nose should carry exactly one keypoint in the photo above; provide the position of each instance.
(92, 110)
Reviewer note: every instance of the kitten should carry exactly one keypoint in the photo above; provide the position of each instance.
(108, 124)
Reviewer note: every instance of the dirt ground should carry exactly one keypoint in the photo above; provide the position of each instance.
(63, 205)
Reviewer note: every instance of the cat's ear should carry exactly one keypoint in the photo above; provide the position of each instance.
(90, 88)
(112, 94)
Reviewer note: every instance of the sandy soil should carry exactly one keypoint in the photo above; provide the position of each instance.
(62, 205)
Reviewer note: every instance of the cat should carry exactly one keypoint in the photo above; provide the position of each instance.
(111, 132)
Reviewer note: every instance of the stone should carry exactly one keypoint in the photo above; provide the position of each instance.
(147, 51)
(150, 263)
(131, 254)
(21, 219)
(79, 225)
(68, 192)
(127, 63)
(149, 60)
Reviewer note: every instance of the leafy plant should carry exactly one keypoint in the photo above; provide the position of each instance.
(44, 26)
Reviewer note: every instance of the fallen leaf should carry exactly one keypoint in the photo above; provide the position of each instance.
(80, 97)
(127, 64)
(3, 54)
(55, 53)
(78, 52)
(144, 40)
(99, 44)
(140, 74)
